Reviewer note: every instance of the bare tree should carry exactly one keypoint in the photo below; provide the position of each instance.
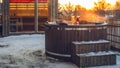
(101, 6)
(67, 11)
(117, 5)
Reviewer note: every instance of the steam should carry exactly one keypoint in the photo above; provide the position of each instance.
(91, 16)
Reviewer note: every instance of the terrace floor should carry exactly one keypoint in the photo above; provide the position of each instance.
(27, 51)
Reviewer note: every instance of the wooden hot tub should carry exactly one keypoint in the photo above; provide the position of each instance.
(59, 38)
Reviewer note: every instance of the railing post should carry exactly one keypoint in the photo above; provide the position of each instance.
(6, 18)
(53, 10)
(36, 15)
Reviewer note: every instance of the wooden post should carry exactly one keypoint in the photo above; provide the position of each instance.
(36, 15)
(6, 17)
(53, 10)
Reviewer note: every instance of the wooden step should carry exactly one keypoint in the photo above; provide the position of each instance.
(94, 59)
(90, 46)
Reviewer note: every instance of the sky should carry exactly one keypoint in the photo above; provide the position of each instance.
(85, 3)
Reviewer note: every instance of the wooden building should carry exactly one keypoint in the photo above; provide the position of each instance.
(26, 16)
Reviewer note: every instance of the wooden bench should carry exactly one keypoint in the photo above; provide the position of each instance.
(92, 53)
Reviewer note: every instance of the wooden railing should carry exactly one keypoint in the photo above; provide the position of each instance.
(113, 34)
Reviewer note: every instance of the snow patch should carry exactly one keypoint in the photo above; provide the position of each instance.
(91, 42)
(98, 53)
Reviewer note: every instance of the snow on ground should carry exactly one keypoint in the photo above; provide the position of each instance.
(27, 51)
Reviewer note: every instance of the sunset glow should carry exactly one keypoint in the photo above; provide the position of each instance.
(112, 2)
(88, 4)
(0, 1)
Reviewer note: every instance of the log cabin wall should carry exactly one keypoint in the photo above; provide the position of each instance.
(22, 15)
(19, 17)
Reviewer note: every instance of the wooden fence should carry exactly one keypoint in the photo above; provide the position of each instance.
(113, 34)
